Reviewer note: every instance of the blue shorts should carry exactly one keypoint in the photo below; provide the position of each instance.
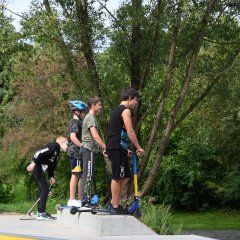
(76, 165)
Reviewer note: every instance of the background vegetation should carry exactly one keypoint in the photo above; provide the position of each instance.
(182, 56)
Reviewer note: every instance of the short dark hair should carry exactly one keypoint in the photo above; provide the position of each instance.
(129, 93)
(93, 100)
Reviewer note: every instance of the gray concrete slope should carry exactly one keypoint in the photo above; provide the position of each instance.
(11, 225)
(103, 224)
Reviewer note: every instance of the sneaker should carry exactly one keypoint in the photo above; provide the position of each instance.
(45, 216)
(74, 203)
(118, 210)
(122, 209)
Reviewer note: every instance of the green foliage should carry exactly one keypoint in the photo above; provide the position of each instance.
(231, 193)
(158, 218)
(200, 169)
(60, 191)
(40, 74)
(6, 193)
(10, 162)
(10, 44)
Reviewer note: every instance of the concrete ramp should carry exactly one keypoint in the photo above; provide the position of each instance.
(102, 224)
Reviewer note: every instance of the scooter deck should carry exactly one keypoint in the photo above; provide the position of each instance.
(73, 209)
(96, 210)
(61, 207)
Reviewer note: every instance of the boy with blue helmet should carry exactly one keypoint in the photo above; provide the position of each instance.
(76, 105)
(79, 110)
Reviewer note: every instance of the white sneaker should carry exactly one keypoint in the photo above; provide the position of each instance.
(74, 203)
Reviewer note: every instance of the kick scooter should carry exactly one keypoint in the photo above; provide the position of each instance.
(134, 209)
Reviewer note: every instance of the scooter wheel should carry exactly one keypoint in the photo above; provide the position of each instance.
(93, 211)
(58, 207)
(137, 213)
(73, 210)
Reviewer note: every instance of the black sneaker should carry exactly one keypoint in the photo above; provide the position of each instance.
(45, 217)
(122, 209)
(118, 210)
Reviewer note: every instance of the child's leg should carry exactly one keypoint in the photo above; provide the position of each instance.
(43, 187)
(73, 186)
(118, 176)
(75, 170)
(125, 163)
(123, 184)
(115, 189)
(88, 161)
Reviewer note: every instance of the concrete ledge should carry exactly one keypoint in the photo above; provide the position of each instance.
(103, 224)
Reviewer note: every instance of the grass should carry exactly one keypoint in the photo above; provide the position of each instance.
(211, 220)
(24, 206)
(20, 205)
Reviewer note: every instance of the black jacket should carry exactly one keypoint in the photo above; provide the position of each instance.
(48, 155)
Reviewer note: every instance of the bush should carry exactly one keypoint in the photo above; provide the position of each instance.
(231, 189)
(158, 218)
(6, 193)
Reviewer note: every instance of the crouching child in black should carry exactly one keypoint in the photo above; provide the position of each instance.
(46, 159)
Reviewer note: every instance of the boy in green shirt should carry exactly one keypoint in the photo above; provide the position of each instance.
(92, 143)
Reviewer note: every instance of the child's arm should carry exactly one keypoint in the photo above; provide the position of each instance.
(74, 139)
(97, 137)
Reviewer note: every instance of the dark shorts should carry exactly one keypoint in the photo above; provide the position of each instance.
(76, 165)
(120, 164)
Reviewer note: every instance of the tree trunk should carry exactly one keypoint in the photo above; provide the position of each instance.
(85, 39)
(169, 75)
(146, 65)
(136, 44)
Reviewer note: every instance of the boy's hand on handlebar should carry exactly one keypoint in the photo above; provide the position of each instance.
(139, 152)
(105, 155)
(129, 154)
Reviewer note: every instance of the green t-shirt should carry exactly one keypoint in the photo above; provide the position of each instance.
(87, 139)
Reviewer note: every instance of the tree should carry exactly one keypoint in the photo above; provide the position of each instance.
(187, 54)
(175, 53)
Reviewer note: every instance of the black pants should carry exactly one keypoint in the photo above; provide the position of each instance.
(43, 187)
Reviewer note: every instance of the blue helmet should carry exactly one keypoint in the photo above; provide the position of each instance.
(78, 105)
